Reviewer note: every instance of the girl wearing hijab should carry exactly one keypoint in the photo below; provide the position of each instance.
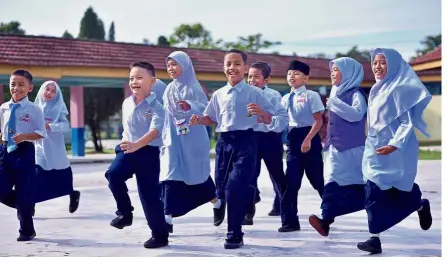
(395, 107)
(345, 142)
(54, 177)
(187, 184)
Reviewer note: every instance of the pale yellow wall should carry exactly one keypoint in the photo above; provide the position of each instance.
(432, 116)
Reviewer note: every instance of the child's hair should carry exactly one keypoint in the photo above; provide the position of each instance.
(144, 65)
(264, 67)
(23, 73)
(240, 52)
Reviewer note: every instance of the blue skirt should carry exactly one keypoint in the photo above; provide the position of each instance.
(179, 198)
(52, 184)
(386, 208)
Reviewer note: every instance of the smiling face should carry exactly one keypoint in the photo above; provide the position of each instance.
(256, 78)
(234, 68)
(141, 82)
(335, 75)
(19, 87)
(296, 78)
(174, 69)
(49, 92)
(379, 67)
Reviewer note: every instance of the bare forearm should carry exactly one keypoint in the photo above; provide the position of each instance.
(31, 136)
(147, 138)
(315, 128)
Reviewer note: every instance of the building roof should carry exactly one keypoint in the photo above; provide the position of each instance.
(52, 52)
(435, 54)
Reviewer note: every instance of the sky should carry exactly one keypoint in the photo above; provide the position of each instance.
(303, 27)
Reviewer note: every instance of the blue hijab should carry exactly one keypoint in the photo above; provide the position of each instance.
(400, 91)
(351, 74)
(53, 109)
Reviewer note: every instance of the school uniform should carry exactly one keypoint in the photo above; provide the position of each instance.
(395, 108)
(186, 149)
(159, 90)
(17, 162)
(54, 177)
(144, 163)
(236, 151)
(344, 145)
(270, 149)
(301, 104)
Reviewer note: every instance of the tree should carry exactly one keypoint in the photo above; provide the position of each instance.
(359, 55)
(163, 41)
(12, 28)
(91, 26)
(100, 104)
(192, 36)
(67, 35)
(251, 43)
(111, 36)
(429, 43)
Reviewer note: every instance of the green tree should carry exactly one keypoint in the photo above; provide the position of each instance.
(111, 36)
(91, 26)
(163, 41)
(67, 35)
(429, 44)
(192, 36)
(251, 43)
(359, 55)
(12, 28)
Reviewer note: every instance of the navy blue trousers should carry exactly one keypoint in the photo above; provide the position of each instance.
(270, 149)
(236, 154)
(341, 200)
(145, 164)
(52, 183)
(387, 208)
(298, 163)
(17, 169)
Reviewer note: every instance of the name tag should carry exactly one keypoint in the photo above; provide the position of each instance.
(182, 127)
(301, 98)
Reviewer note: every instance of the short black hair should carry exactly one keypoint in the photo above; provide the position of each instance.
(144, 65)
(264, 67)
(23, 73)
(240, 52)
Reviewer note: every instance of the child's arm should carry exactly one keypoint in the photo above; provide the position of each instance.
(400, 137)
(317, 108)
(39, 129)
(349, 113)
(199, 103)
(281, 119)
(61, 125)
(210, 114)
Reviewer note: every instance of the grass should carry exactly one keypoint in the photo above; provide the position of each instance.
(429, 155)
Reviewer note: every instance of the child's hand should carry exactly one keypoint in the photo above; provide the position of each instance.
(184, 105)
(129, 147)
(255, 109)
(18, 138)
(47, 126)
(385, 150)
(194, 120)
(305, 147)
(259, 119)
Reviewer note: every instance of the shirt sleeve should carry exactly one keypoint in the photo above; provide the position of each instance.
(212, 109)
(158, 117)
(403, 132)
(199, 103)
(316, 105)
(39, 122)
(280, 119)
(351, 113)
(61, 125)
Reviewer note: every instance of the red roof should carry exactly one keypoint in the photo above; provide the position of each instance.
(435, 54)
(52, 52)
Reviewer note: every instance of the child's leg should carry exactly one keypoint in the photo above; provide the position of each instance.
(119, 171)
(148, 189)
(314, 165)
(7, 195)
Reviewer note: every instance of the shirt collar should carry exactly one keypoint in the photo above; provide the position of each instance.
(298, 90)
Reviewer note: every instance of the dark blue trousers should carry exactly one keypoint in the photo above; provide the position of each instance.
(387, 208)
(298, 163)
(145, 164)
(17, 169)
(341, 200)
(236, 154)
(270, 149)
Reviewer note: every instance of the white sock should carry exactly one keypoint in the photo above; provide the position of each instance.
(374, 235)
(217, 204)
(168, 219)
(422, 207)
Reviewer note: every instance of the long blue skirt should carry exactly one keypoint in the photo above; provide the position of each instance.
(52, 183)
(179, 198)
(387, 208)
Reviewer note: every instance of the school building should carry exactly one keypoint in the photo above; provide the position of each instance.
(78, 64)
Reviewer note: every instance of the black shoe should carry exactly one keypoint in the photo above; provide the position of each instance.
(74, 201)
(170, 227)
(372, 245)
(274, 212)
(289, 228)
(320, 225)
(26, 237)
(233, 243)
(425, 219)
(122, 221)
(155, 243)
(248, 220)
(219, 213)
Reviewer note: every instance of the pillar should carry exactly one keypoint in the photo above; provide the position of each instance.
(77, 120)
(2, 94)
